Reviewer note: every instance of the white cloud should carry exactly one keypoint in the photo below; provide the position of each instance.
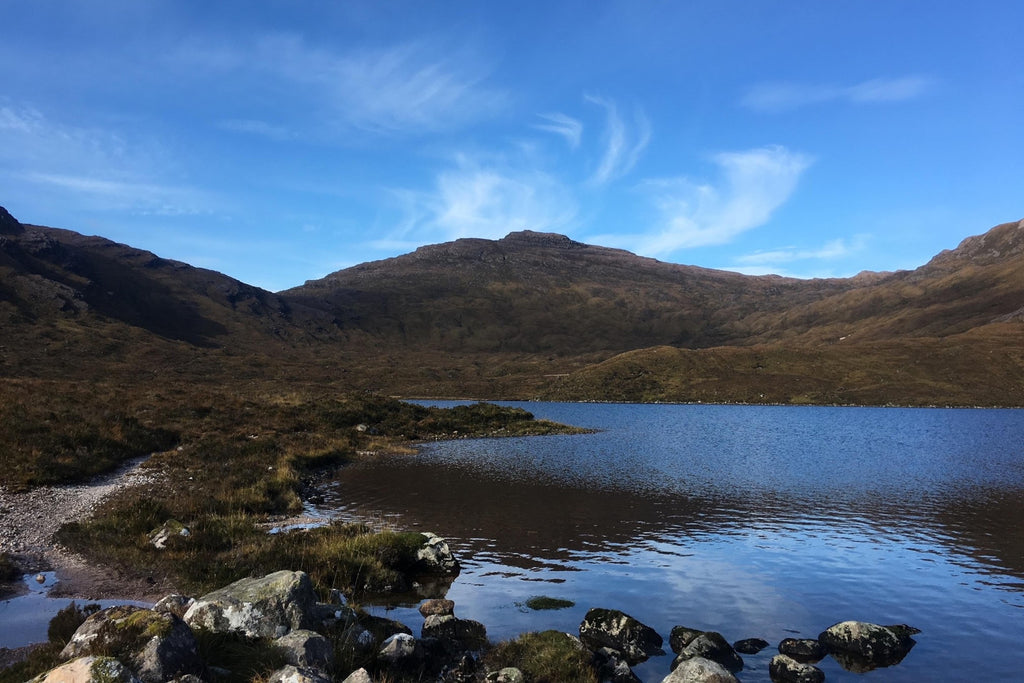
(781, 96)
(753, 184)
(623, 145)
(832, 249)
(560, 124)
(482, 200)
(143, 198)
(415, 87)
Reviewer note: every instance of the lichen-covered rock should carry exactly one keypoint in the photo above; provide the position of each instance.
(750, 646)
(861, 646)
(306, 650)
(174, 604)
(711, 645)
(785, 669)
(266, 607)
(802, 649)
(400, 650)
(171, 529)
(617, 630)
(91, 669)
(681, 636)
(700, 670)
(509, 674)
(456, 635)
(157, 646)
(435, 557)
(294, 674)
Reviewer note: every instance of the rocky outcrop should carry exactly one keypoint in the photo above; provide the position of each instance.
(785, 669)
(156, 646)
(700, 670)
(861, 646)
(610, 628)
(266, 607)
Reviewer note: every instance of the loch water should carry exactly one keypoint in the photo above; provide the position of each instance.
(754, 521)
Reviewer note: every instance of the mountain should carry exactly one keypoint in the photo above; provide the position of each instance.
(529, 315)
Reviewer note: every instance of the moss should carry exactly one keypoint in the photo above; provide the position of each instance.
(543, 602)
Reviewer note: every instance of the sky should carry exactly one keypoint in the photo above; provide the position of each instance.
(277, 141)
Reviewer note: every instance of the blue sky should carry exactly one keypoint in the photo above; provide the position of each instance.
(278, 141)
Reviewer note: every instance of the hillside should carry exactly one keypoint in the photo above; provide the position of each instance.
(529, 315)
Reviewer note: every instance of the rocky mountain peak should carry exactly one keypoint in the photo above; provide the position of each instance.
(9, 225)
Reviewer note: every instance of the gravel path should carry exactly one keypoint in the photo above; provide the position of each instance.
(29, 520)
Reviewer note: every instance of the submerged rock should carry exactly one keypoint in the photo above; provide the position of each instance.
(617, 630)
(267, 607)
(785, 669)
(750, 646)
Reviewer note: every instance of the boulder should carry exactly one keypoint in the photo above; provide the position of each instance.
(401, 650)
(612, 667)
(636, 642)
(861, 646)
(437, 606)
(294, 674)
(157, 646)
(802, 649)
(89, 669)
(711, 645)
(509, 674)
(785, 669)
(700, 670)
(266, 607)
(750, 646)
(456, 635)
(306, 650)
(435, 557)
(681, 636)
(172, 528)
(358, 676)
(174, 604)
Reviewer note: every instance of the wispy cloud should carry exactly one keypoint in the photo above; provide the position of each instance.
(474, 199)
(623, 144)
(569, 128)
(783, 96)
(259, 128)
(409, 88)
(141, 198)
(753, 184)
(833, 249)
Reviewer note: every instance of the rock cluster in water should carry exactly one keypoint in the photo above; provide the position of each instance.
(129, 644)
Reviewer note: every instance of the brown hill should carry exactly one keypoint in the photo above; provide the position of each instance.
(532, 314)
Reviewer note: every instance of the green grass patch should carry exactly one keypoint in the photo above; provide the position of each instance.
(544, 657)
(543, 602)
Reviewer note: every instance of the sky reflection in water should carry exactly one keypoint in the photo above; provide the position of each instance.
(754, 521)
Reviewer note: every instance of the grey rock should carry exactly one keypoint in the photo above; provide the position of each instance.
(802, 649)
(750, 646)
(785, 669)
(435, 557)
(456, 635)
(509, 674)
(681, 636)
(400, 649)
(91, 669)
(617, 630)
(266, 607)
(612, 667)
(157, 646)
(861, 646)
(170, 530)
(711, 645)
(358, 676)
(174, 604)
(306, 650)
(700, 670)
(294, 674)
